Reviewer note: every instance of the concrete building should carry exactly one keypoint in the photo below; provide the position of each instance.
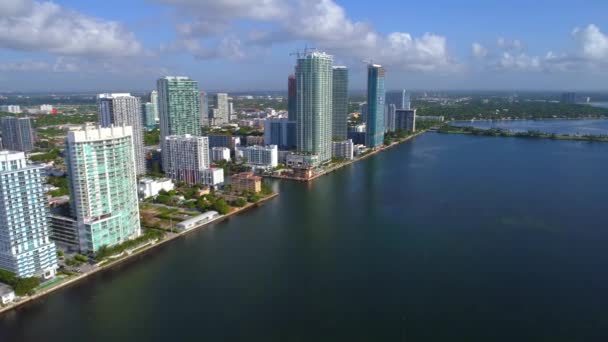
(7, 294)
(179, 105)
(375, 106)
(405, 119)
(343, 149)
(221, 115)
(219, 140)
(18, 134)
(246, 182)
(205, 113)
(46, 108)
(64, 232)
(25, 245)
(219, 154)
(15, 109)
(297, 160)
(213, 176)
(292, 101)
(340, 103)
(187, 157)
(197, 221)
(314, 77)
(280, 132)
(265, 157)
(124, 110)
(154, 101)
(148, 187)
(252, 140)
(103, 186)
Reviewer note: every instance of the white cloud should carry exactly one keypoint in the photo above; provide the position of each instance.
(48, 27)
(592, 42)
(14, 7)
(479, 50)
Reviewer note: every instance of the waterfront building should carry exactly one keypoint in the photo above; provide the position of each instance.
(124, 110)
(219, 154)
(394, 100)
(343, 149)
(64, 232)
(205, 114)
(148, 187)
(314, 76)
(154, 101)
(213, 176)
(7, 294)
(363, 111)
(25, 245)
(375, 106)
(292, 100)
(148, 119)
(430, 118)
(246, 182)
(569, 98)
(179, 102)
(103, 185)
(265, 157)
(15, 109)
(197, 221)
(18, 134)
(298, 160)
(340, 102)
(187, 157)
(221, 113)
(405, 119)
(280, 132)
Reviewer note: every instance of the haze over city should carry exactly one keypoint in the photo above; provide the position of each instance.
(70, 45)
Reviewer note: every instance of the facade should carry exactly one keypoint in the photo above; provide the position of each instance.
(340, 103)
(246, 182)
(26, 248)
(221, 115)
(343, 149)
(124, 110)
(375, 106)
(103, 186)
(15, 109)
(18, 134)
(64, 232)
(219, 154)
(218, 140)
(213, 176)
(280, 132)
(405, 120)
(314, 76)
(205, 114)
(179, 104)
(297, 160)
(7, 295)
(259, 156)
(148, 119)
(252, 140)
(394, 100)
(151, 187)
(188, 156)
(154, 101)
(292, 98)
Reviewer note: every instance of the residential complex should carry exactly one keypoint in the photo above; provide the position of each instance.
(15, 109)
(340, 103)
(205, 114)
(394, 100)
(124, 110)
(405, 119)
(103, 185)
(154, 101)
(221, 109)
(375, 106)
(265, 157)
(314, 77)
(343, 149)
(292, 93)
(246, 182)
(18, 134)
(25, 245)
(187, 157)
(219, 154)
(280, 132)
(151, 187)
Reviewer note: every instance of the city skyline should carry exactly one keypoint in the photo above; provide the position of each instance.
(230, 46)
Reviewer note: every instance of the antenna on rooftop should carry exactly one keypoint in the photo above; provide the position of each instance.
(303, 53)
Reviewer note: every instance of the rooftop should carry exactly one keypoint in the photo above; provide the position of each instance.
(5, 289)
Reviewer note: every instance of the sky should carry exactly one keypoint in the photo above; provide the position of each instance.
(244, 45)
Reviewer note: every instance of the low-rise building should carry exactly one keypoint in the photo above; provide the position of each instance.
(246, 182)
(343, 149)
(7, 294)
(262, 157)
(213, 176)
(219, 154)
(252, 140)
(151, 187)
(302, 160)
(198, 220)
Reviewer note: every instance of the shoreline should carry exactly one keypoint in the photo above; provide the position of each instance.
(138, 252)
(350, 162)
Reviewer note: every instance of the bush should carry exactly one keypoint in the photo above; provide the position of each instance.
(81, 258)
(22, 286)
(240, 202)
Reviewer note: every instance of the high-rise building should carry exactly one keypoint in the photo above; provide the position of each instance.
(259, 156)
(103, 185)
(569, 98)
(405, 120)
(375, 106)
(147, 110)
(179, 101)
(314, 76)
(280, 132)
(343, 149)
(187, 157)
(394, 100)
(124, 110)
(25, 246)
(292, 93)
(205, 114)
(154, 101)
(15, 109)
(18, 134)
(340, 103)
(221, 115)
(218, 154)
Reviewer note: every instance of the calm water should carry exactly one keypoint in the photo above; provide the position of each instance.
(582, 127)
(446, 238)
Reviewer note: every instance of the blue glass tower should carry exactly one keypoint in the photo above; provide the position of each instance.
(374, 136)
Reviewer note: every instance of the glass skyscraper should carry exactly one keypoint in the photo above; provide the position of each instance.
(25, 246)
(179, 104)
(374, 136)
(103, 186)
(394, 100)
(314, 76)
(292, 97)
(340, 103)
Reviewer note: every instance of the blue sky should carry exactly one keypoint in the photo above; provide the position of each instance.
(238, 45)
